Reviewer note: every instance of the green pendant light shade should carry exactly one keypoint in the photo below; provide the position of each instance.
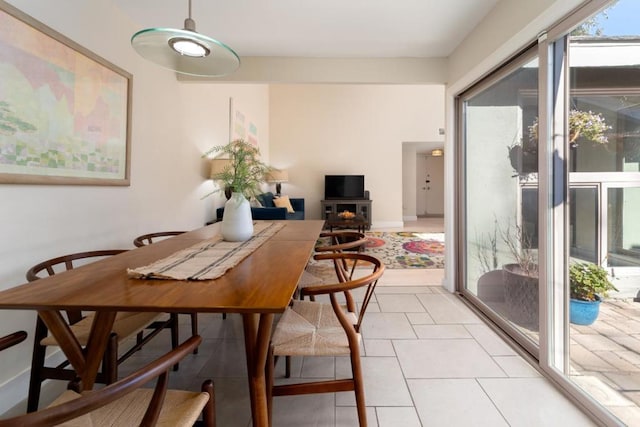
(186, 51)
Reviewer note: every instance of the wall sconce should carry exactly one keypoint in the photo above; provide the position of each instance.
(277, 176)
(437, 152)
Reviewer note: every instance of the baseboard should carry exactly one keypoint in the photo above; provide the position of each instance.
(13, 393)
(387, 224)
(410, 218)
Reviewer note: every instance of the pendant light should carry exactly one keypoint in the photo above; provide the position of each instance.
(186, 51)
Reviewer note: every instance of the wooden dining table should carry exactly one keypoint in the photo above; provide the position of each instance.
(259, 287)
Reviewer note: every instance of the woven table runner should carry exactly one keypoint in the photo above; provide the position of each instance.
(206, 260)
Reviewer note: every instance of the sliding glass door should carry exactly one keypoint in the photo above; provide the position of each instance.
(603, 162)
(500, 198)
(549, 176)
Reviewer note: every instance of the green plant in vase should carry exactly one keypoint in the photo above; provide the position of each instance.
(588, 281)
(243, 172)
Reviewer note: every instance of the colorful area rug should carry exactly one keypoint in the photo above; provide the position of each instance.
(407, 249)
(396, 250)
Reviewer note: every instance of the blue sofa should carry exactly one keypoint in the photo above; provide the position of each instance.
(269, 211)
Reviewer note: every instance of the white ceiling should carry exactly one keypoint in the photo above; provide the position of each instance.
(322, 28)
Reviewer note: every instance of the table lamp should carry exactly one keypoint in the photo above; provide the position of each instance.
(277, 176)
(218, 166)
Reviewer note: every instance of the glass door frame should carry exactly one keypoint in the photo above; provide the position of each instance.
(554, 180)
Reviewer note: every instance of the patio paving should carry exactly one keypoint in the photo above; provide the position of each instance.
(605, 356)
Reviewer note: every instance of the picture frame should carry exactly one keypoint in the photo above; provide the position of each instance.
(241, 126)
(65, 112)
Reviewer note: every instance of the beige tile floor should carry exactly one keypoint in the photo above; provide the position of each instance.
(428, 361)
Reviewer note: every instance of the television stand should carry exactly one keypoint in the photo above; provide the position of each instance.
(357, 206)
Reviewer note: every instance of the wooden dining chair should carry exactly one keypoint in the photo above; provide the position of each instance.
(334, 242)
(125, 402)
(147, 239)
(12, 339)
(126, 325)
(312, 328)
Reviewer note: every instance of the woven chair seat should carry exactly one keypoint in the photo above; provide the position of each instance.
(126, 325)
(180, 408)
(309, 279)
(310, 328)
(313, 328)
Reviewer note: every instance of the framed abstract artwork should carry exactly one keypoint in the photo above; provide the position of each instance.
(241, 126)
(65, 112)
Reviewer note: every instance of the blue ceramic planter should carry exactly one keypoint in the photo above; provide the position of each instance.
(584, 312)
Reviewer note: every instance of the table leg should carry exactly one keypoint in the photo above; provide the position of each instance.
(85, 362)
(257, 334)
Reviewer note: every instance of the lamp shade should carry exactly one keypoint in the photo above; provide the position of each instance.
(186, 51)
(277, 175)
(218, 166)
(155, 44)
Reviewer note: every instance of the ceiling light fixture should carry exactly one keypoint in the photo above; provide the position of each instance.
(186, 51)
(437, 152)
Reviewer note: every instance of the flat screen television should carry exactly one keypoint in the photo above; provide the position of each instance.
(343, 187)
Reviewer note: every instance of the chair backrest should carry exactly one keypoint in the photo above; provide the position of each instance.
(67, 262)
(342, 241)
(12, 339)
(90, 401)
(369, 269)
(147, 239)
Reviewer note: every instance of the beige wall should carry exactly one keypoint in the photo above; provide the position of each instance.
(173, 123)
(310, 129)
(409, 182)
(351, 129)
(336, 70)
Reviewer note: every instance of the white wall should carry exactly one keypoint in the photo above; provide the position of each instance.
(173, 124)
(351, 129)
(409, 182)
(207, 122)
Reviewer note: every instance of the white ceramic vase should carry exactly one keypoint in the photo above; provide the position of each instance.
(237, 224)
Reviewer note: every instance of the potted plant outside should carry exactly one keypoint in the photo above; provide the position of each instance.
(242, 175)
(588, 283)
(587, 125)
(520, 278)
